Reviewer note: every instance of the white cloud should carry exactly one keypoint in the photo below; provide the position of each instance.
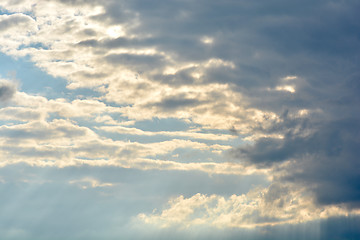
(108, 120)
(286, 88)
(277, 204)
(60, 29)
(64, 108)
(43, 140)
(182, 62)
(139, 132)
(289, 78)
(61, 142)
(41, 130)
(207, 40)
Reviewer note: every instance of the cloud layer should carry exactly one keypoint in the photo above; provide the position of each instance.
(232, 89)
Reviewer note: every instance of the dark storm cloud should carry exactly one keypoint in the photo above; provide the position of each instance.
(268, 40)
(325, 161)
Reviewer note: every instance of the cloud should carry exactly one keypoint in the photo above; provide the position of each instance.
(88, 182)
(144, 80)
(7, 90)
(176, 102)
(136, 62)
(44, 189)
(44, 107)
(50, 134)
(320, 156)
(278, 204)
(282, 76)
(192, 134)
(19, 114)
(42, 140)
(17, 20)
(44, 130)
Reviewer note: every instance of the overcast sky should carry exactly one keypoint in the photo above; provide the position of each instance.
(179, 119)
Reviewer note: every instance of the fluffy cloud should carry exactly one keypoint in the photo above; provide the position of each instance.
(131, 69)
(277, 204)
(41, 140)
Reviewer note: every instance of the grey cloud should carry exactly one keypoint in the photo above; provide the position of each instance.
(139, 63)
(78, 2)
(88, 43)
(7, 90)
(88, 32)
(325, 162)
(14, 20)
(19, 114)
(41, 131)
(116, 12)
(276, 192)
(86, 75)
(34, 152)
(181, 77)
(268, 40)
(127, 42)
(174, 103)
(320, 44)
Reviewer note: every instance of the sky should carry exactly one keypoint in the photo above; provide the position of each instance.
(179, 119)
